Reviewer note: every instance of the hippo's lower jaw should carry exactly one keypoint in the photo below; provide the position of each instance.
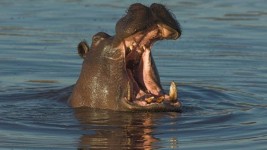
(163, 106)
(144, 89)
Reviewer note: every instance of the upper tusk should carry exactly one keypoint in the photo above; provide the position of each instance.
(131, 47)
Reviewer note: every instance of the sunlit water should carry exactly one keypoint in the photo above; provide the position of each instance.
(220, 65)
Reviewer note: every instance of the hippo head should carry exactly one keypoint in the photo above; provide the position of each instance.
(119, 72)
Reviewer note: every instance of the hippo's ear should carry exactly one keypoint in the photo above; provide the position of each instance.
(83, 48)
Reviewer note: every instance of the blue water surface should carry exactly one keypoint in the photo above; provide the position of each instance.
(219, 63)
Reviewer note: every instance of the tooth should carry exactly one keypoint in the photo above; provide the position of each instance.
(144, 48)
(173, 92)
(150, 99)
(134, 44)
(131, 47)
(129, 91)
(160, 99)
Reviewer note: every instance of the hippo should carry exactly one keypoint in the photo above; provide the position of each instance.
(119, 73)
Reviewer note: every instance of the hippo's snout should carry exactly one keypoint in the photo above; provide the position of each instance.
(169, 26)
(140, 18)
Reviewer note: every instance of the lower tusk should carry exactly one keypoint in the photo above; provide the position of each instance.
(173, 92)
(129, 91)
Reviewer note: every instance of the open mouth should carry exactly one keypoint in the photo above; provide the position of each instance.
(144, 88)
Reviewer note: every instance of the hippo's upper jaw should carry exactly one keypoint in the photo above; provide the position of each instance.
(144, 88)
(119, 72)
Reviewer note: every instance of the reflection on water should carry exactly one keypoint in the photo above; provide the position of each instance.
(117, 130)
(219, 64)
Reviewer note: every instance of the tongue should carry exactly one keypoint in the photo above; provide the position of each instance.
(148, 76)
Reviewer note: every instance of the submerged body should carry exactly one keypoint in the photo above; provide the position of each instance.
(119, 72)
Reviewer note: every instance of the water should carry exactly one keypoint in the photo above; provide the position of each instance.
(219, 64)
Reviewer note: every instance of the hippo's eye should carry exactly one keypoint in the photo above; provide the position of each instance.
(95, 39)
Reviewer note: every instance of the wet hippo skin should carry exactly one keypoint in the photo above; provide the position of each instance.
(119, 72)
